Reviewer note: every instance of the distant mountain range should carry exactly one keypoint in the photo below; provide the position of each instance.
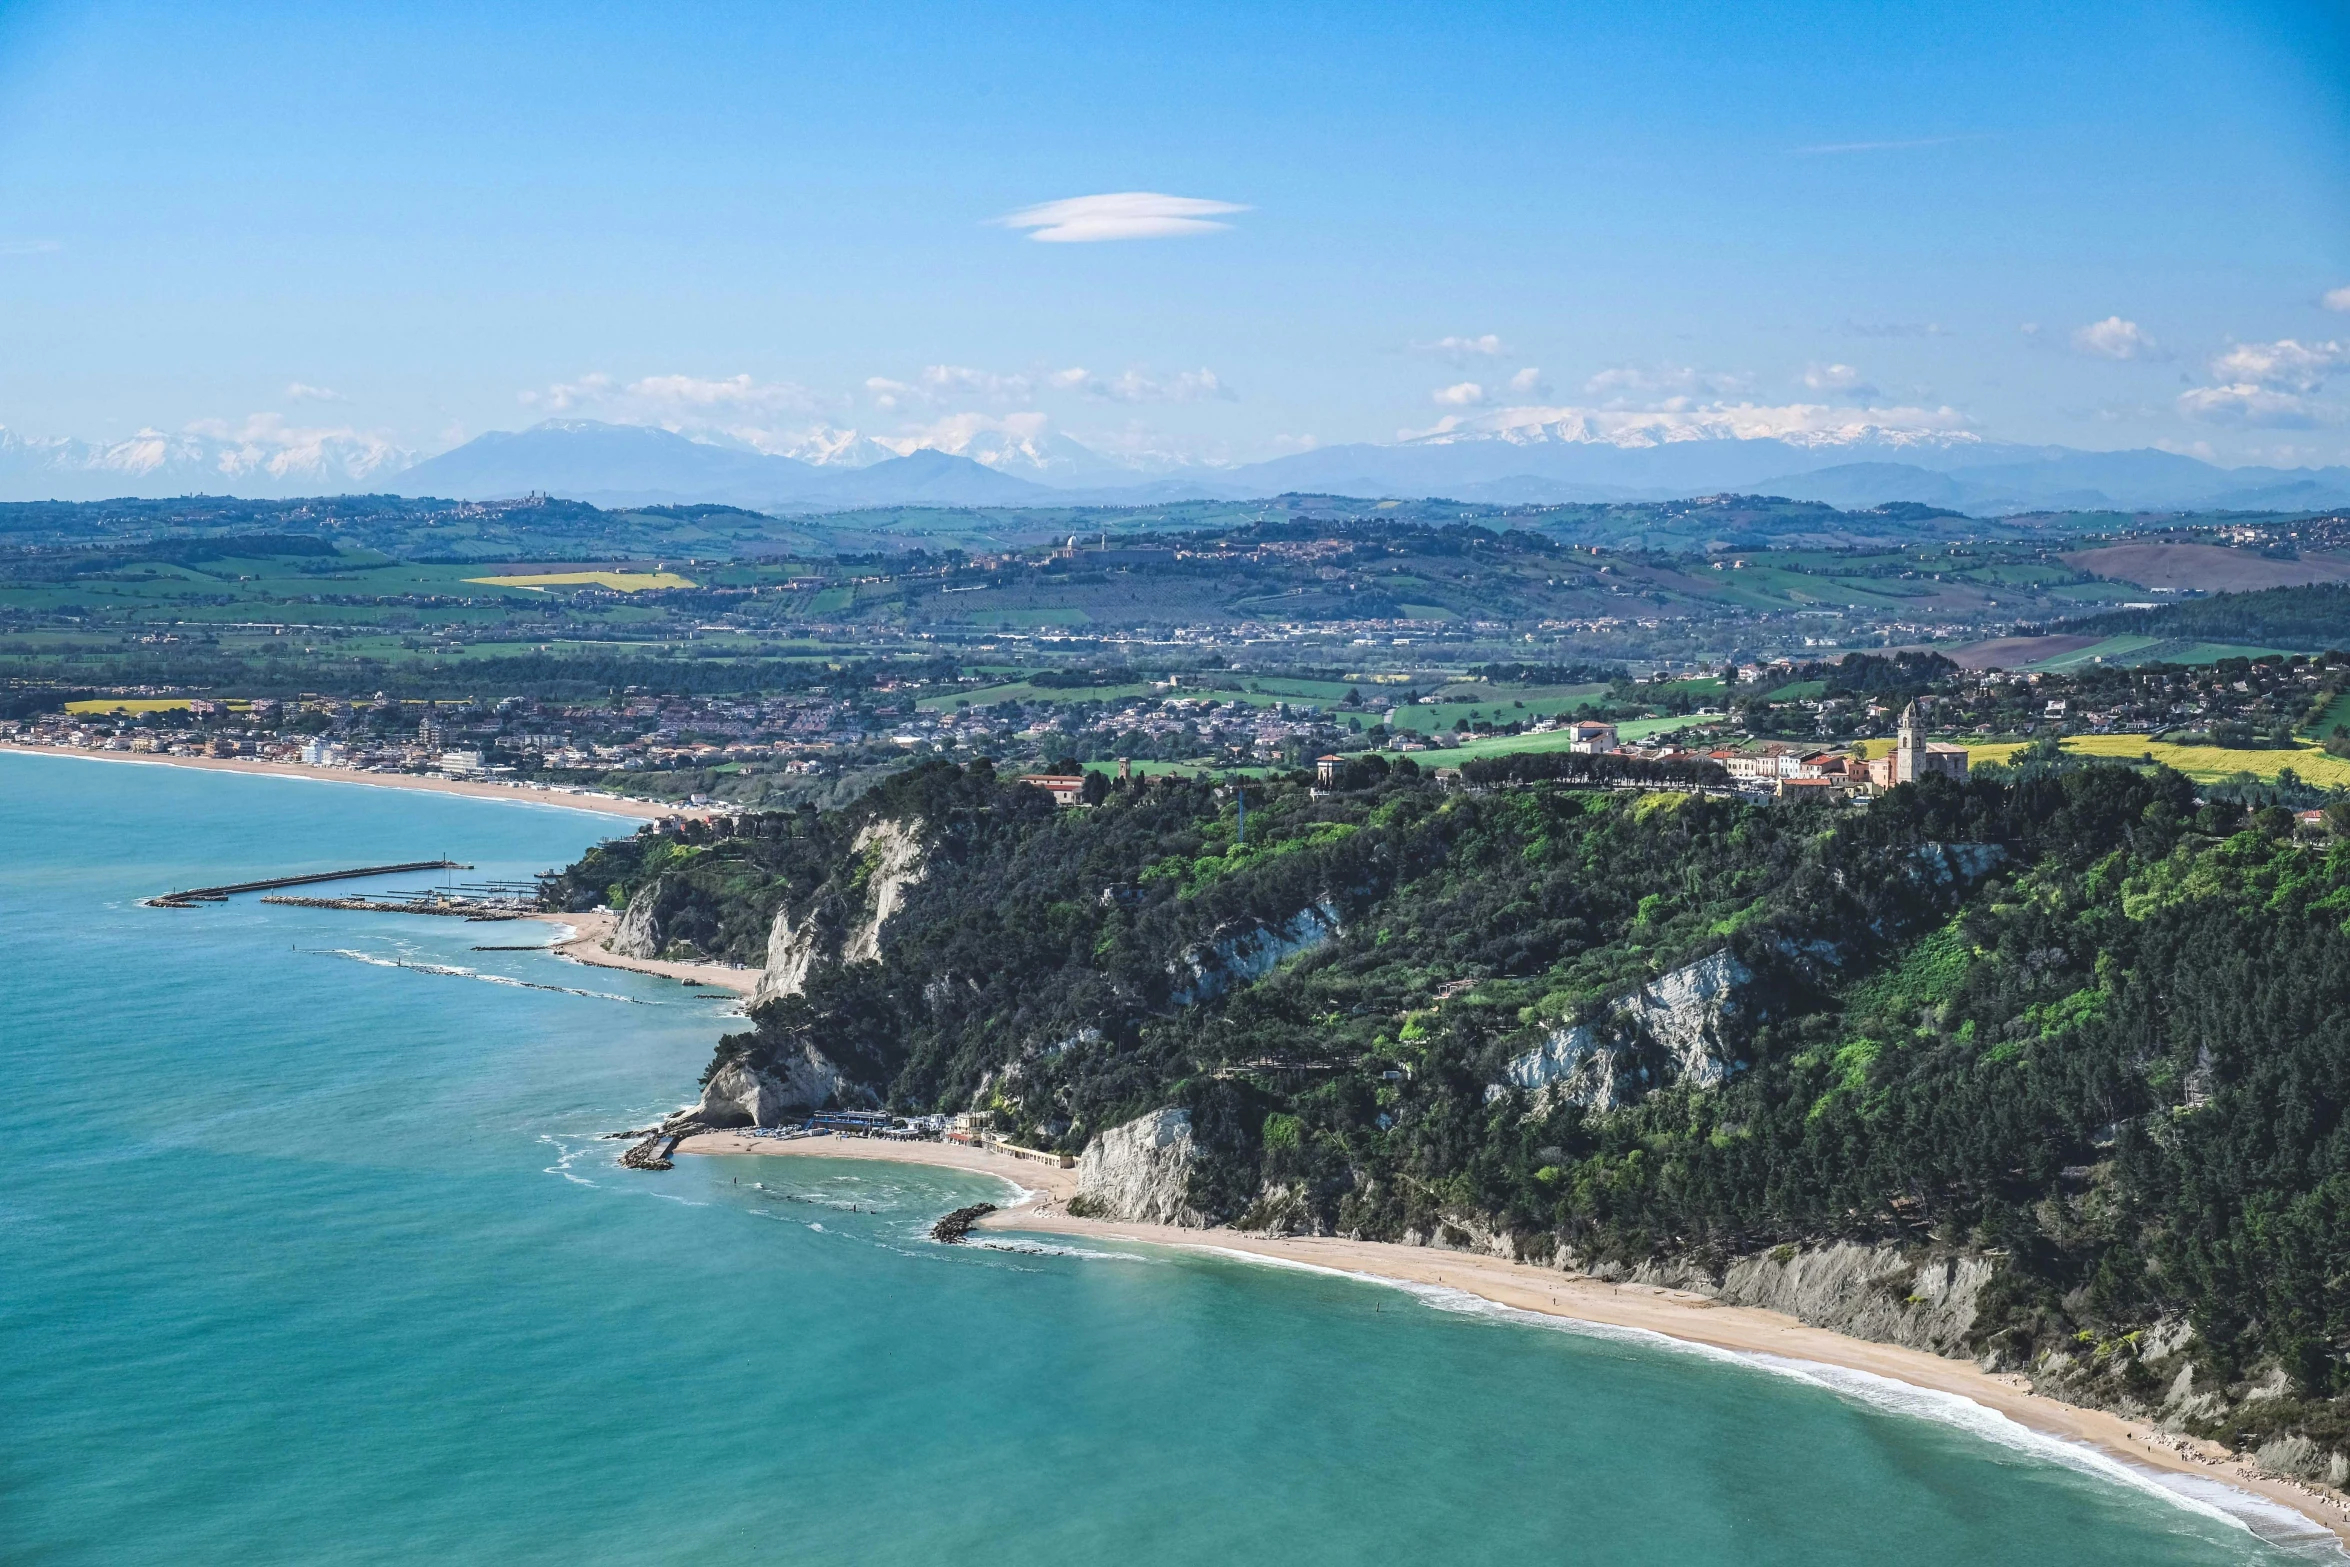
(261, 461)
(633, 465)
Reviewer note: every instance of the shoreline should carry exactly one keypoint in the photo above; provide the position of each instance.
(585, 945)
(589, 931)
(1672, 1314)
(601, 804)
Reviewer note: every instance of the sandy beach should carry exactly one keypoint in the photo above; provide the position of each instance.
(1673, 1314)
(604, 804)
(586, 945)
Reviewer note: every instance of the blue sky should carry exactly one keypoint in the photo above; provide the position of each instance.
(2103, 227)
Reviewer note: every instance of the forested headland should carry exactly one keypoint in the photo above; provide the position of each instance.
(2065, 1022)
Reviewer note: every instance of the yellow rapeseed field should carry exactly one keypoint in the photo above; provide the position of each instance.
(2208, 762)
(2203, 762)
(128, 704)
(617, 581)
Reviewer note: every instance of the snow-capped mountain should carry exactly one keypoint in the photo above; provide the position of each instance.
(264, 457)
(639, 465)
(1848, 457)
(823, 447)
(1022, 446)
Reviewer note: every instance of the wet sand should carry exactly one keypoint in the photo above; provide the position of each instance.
(586, 945)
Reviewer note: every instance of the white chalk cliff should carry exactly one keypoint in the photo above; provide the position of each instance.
(892, 864)
(638, 935)
(1139, 1172)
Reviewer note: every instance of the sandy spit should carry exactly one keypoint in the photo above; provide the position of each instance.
(1674, 1314)
(589, 932)
(1048, 1184)
(603, 804)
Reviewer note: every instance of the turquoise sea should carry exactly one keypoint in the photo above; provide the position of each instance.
(308, 1257)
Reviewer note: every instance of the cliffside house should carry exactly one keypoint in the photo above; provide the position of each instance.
(1065, 788)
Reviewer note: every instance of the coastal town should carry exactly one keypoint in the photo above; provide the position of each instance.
(1781, 727)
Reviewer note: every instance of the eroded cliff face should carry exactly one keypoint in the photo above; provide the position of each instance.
(795, 1083)
(1140, 1172)
(1241, 957)
(887, 862)
(1920, 1299)
(1873, 1292)
(791, 954)
(638, 935)
(892, 852)
(1674, 1029)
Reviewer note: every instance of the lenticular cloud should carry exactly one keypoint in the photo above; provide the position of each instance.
(1134, 214)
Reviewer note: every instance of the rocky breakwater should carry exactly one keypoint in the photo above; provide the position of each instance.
(1140, 1173)
(952, 1228)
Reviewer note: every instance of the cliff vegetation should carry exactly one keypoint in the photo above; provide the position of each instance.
(2047, 1068)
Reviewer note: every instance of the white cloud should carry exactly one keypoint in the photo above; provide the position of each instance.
(1461, 350)
(944, 381)
(1529, 383)
(2114, 338)
(2335, 299)
(1462, 394)
(738, 392)
(1136, 214)
(303, 392)
(1836, 378)
(1140, 386)
(722, 410)
(674, 401)
(564, 396)
(1631, 382)
(29, 247)
(958, 432)
(1798, 424)
(2286, 364)
(2245, 403)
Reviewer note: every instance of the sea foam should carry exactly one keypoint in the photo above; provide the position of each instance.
(2215, 1499)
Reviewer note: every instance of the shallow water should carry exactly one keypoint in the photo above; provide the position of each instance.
(308, 1257)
